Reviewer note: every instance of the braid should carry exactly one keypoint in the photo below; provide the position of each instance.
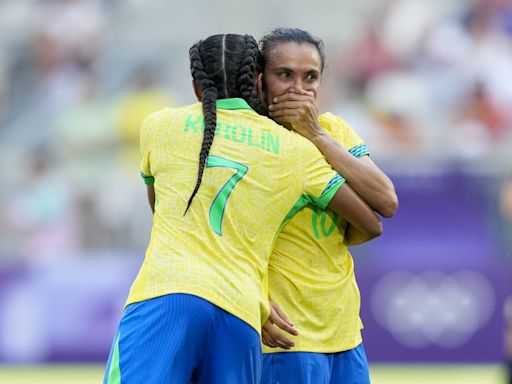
(209, 92)
(245, 81)
(197, 69)
(223, 66)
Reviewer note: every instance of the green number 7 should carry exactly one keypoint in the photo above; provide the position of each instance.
(220, 201)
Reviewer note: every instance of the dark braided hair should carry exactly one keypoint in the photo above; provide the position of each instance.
(223, 66)
(252, 63)
(290, 35)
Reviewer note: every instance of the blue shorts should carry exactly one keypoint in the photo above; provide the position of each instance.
(347, 367)
(180, 338)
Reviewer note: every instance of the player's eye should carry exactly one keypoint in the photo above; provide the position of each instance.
(311, 77)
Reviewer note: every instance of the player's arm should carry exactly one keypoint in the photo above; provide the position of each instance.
(151, 196)
(374, 187)
(364, 224)
(300, 112)
(146, 143)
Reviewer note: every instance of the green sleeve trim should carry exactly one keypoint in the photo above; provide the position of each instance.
(148, 180)
(328, 193)
(359, 150)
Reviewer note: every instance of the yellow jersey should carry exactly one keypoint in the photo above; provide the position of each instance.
(311, 272)
(256, 174)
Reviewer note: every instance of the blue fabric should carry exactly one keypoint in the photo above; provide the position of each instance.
(347, 367)
(178, 338)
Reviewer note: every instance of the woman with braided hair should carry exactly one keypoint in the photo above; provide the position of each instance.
(221, 181)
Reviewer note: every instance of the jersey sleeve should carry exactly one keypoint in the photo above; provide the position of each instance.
(320, 181)
(352, 141)
(344, 134)
(147, 132)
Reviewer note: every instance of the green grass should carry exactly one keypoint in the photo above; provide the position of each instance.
(51, 374)
(381, 374)
(438, 374)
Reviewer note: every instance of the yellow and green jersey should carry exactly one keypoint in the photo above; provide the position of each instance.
(311, 272)
(256, 174)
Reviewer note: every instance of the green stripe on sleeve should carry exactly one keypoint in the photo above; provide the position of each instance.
(359, 150)
(328, 193)
(148, 180)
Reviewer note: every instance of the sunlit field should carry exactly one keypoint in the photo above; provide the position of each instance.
(381, 374)
(438, 374)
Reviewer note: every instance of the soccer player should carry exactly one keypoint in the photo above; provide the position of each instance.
(311, 272)
(196, 307)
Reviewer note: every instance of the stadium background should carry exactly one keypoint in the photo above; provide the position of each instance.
(427, 83)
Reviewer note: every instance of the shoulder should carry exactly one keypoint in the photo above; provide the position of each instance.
(158, 116)
(340, 130)
(164, 117)
(168, 112)
(333, 123)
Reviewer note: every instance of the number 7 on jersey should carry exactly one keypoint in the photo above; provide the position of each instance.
(219, 203)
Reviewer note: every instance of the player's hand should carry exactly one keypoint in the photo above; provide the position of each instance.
(270, 333)
(298, 111)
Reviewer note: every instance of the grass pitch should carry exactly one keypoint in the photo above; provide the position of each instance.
(380, 374)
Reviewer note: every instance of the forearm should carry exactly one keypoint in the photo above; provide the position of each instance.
(354, 236)
(151, 197)
(356, 213)
(371, 184)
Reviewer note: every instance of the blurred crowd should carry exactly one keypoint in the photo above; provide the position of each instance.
(69, 179)
(427, 77)
(419, 79)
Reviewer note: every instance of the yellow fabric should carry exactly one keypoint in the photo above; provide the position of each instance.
(224, 264)
(311, 272)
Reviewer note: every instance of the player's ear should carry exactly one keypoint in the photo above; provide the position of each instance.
(259, 85)
(197, 91)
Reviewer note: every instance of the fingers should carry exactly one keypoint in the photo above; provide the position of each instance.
(267, 340)
(280, 339)
(275, 337)
(272, 337)
(292, 107)
(289, 104)
(293, 110)
(305, 105)
(294, 96)
(286, 105)
(279, 318)
(287, 115)
(281, 314)
(284, 325)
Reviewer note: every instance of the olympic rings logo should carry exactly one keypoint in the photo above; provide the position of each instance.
(433, 308)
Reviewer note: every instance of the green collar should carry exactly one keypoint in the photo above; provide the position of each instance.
(234, 103)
